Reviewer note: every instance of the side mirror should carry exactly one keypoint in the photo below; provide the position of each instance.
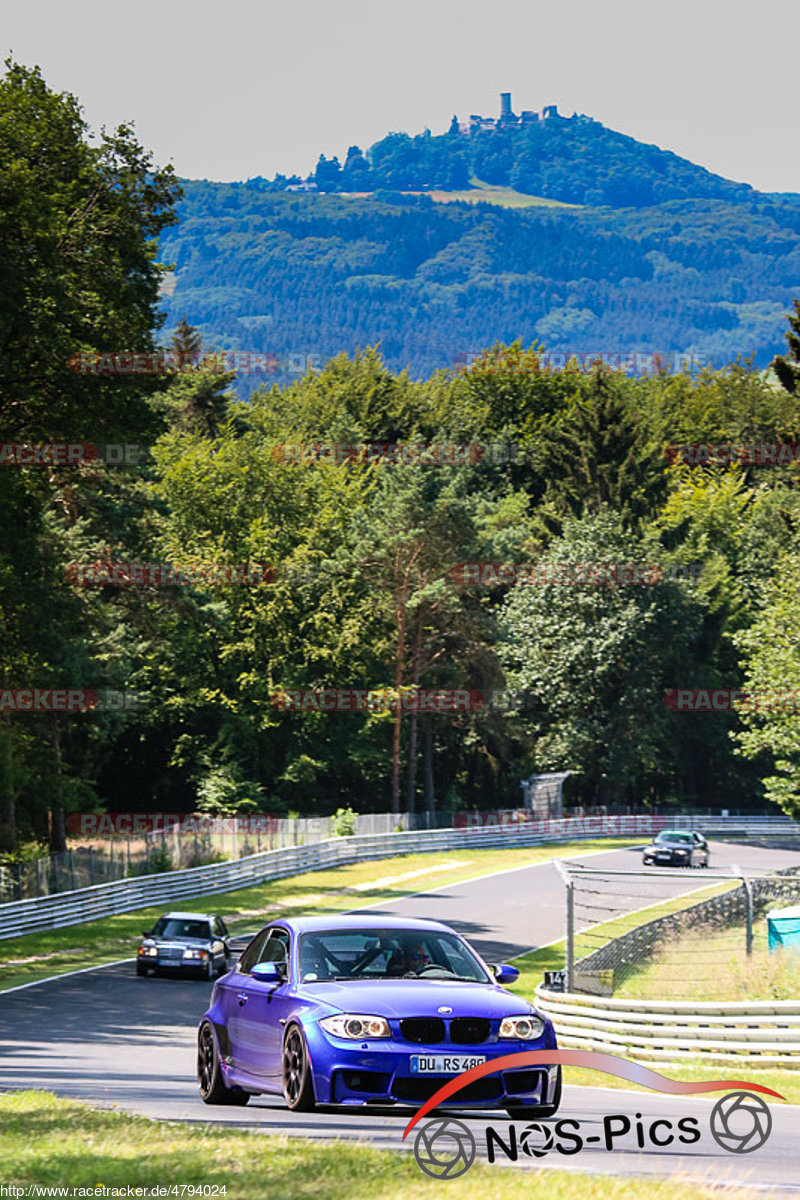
(505, 973)
(267, 972)
(147, 933)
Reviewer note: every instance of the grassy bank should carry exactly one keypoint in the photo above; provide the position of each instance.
(709, 964)
(51, 952)
(46, 1141)
(531, 966)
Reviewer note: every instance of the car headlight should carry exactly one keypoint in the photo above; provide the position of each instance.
(195, 954)
(523, 1029)
(149, 951)
(356, 1026)
(682, 853)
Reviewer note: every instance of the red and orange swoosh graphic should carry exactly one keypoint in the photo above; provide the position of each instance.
(609, 1064)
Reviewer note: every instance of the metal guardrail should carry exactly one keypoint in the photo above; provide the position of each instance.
(752, 1032)
(125, 895)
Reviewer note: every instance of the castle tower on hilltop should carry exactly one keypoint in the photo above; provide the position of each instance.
(505, 105)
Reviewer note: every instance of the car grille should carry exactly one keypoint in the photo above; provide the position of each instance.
(469, 1031)
(423, 1089)
(425, 1031)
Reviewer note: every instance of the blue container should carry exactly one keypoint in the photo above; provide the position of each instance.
(783, 928)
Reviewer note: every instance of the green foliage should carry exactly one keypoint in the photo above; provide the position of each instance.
(770, 733)
(594, 662)
(222, 793)
(358, 589)
(343, 822)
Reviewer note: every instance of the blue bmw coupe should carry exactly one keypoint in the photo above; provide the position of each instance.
(368, 1010)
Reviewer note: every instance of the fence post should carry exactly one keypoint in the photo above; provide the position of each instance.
(71, 870)
(748, 893)
(569, 960)
(748, 908)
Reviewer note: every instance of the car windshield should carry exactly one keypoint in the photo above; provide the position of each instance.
(675, 839)
(178, 927)
(387, 954)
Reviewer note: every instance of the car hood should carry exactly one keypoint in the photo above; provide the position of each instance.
(184, 943)
(394, 998)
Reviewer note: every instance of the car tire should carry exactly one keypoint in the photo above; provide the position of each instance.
(141, 969)
(208, 973)
(209, 1074)
(298, 1086)
(519, 1112)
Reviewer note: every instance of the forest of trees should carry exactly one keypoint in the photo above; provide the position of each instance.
(316, 275)
(575, 160)
(361, 592)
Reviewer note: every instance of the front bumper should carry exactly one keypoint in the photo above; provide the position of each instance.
(183, 966)
(373, 1073)
(667, 860)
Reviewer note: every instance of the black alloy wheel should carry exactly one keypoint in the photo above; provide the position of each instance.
(209, 1074)
(298, 1089)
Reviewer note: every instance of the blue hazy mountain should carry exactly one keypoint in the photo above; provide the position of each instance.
(528, 225)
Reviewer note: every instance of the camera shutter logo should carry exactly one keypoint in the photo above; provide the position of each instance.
(444, 1148)
(536, 1139)
(741, 1122)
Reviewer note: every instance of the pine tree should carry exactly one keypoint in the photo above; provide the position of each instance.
(187, 342)
(595, 454)
(788, 369)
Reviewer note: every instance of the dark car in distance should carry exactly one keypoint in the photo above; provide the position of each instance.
(192, 943)
(677, 848)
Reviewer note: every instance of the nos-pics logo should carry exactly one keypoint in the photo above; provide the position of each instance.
(446, 1148)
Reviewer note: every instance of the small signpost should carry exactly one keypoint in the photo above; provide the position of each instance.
(555, 981)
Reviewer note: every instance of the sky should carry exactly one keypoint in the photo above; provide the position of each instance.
(255, 87)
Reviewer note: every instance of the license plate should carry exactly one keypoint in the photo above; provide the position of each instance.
(444, 1064)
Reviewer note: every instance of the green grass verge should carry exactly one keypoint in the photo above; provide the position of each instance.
(52, 952)
(46, 1141)
(713, 964)
(602, 933)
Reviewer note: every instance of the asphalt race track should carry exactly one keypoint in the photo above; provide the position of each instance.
(110, 1037)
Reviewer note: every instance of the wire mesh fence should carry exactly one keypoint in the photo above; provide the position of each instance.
(104, 860)
(658, 934)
